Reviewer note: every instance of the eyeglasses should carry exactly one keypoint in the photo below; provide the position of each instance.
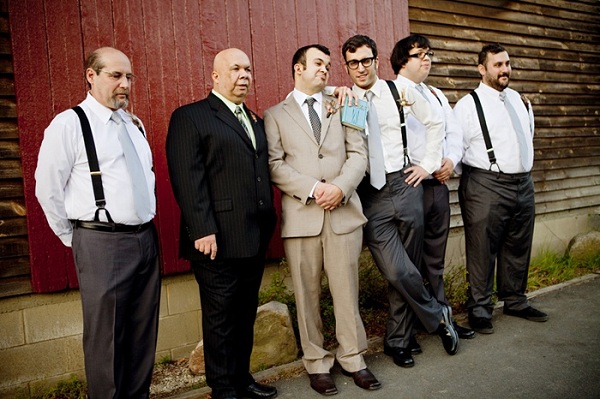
(422, 55)
(366, 62)
(117, 76)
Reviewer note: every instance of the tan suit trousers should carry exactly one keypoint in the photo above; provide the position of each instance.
(337, 255)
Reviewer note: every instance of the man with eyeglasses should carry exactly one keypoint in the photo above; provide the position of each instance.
(105, 214)
(392, 201)
(411, 61)
(496, 192)
(317, 163)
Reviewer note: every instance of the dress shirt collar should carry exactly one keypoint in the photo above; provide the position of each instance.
(489, 91)
(406, 81)
(301, 97)
(230, 104)
(103, 113)
(376, 89)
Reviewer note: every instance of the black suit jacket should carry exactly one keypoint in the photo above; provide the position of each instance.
(220, 181)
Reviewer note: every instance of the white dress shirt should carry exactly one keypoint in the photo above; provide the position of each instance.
(417, 132)
(301, 100)
(502, 135)
(63, 183)
(391, 133)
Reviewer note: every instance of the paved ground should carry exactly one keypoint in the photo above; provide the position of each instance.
(522, 359)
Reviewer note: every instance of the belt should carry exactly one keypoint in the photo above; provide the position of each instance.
(507, 176)
(110, 227)
(431, 182)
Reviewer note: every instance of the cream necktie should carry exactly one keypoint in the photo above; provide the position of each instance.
(516, 123)
(141, 197)
(376, 164)
(240, 115)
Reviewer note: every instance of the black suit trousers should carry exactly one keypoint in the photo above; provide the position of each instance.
(229, 299)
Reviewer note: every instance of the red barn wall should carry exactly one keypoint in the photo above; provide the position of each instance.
(171, 45)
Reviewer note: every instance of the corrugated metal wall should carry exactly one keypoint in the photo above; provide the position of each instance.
(555, 53)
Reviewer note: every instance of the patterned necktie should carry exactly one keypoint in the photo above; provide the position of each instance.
(315, 122)
(240, 115)
(141, 196)
(516, 123)
(376, 164)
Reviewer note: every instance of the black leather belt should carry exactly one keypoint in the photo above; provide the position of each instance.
(110, 227)
(431, 182)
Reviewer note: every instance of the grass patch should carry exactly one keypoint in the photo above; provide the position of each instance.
(72, 388)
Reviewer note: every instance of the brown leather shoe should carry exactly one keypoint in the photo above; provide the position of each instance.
(323, 383)
(364, 379)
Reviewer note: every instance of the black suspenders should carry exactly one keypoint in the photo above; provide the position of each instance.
(394, 91)
(95, 173)
(485, 132)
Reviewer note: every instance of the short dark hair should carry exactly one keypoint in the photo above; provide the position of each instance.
(356, 42)
(300, 55)
(401, 51)
(492, 48)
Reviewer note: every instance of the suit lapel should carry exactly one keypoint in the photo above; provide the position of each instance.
(224, 113)
(290, 105)
(325, 121)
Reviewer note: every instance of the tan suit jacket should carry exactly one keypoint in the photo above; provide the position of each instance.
(297, 162)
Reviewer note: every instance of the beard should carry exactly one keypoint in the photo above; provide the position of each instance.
(118, 103)
(497, 84)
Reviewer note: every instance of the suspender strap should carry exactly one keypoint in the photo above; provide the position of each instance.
(95, 173)
(484, 131)
(394, 91)
(435, 94)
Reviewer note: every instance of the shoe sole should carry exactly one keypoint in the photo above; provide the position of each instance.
(540, 319)
(484, 330)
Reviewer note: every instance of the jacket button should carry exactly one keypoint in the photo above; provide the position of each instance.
(320, 156)
(323, 181)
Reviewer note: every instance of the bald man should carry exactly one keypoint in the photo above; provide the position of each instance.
(218, 164)
(114, 246)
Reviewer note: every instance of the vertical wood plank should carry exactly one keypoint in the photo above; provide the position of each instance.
(48, 256)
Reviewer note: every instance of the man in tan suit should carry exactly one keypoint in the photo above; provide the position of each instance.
(317, 164)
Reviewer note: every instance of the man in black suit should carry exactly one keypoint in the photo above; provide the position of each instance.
(218, 165)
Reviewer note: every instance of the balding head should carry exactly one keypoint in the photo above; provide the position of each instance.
(232, 75)
(108, 74)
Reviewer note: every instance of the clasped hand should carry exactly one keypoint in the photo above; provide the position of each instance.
(328, 196)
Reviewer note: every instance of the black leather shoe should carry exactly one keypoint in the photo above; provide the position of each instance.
(414, 346)
(401, 356)
(363, 379)
(323, 383)
(481, 325)
(258, 391)
(463, 332)
(529, 313)
(447, 332)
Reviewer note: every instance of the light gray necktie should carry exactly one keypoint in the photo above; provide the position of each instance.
(240, 115)
(514, 118)
(422, 91)
(141, 197)
(315, 122)
(376, 164)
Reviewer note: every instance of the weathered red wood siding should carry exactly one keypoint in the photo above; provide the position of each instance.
(171, 45)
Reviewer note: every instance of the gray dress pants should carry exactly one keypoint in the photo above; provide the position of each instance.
(498, 211)
(395, 224)
(119, 281)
